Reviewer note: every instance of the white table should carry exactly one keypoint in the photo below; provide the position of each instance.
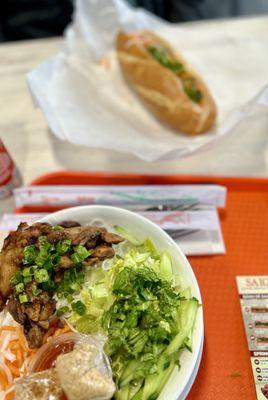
(36, 151)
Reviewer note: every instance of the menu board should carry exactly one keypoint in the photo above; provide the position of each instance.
(253, 292)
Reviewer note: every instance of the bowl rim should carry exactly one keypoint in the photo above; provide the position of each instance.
(191, 374)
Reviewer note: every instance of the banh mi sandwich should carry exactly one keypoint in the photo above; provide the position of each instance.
(165, 82)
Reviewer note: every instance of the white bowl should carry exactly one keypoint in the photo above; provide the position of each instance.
(181, 380)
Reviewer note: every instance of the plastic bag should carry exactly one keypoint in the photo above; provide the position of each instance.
(82, 374)
(85, 373)
(43, 385)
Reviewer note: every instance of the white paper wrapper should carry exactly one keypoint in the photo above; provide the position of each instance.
(89, 104)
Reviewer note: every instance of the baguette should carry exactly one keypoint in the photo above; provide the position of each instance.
(165, 83)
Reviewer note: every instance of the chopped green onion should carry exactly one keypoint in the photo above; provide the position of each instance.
(57, 228)
(17, 278)
(19, 288)
(26, 272)
(75, 258)
(63, 246)
(42, 240)
(55, 259)
(23, 298)
(32, 269)
(45, 249)
(30, 253)
(35, 290)
(48, 264)
(80, 254)
(41, 275)
(62, 310)
(79, 307)
(49, 286)
(27, 279)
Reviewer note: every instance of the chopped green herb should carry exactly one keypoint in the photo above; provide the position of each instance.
(49, 286)
(82, 252)
(32, 269)
(19, 288)
(42, 240)
(41, 275)
(48, 264)
(44, 251)
(57, 228)
(35, 290)
(26, 272)
(51, 262)
(75, 258)
(17, 278)
(79, 307)
(23, 298)
(29, 254)
(63, 246)
(27, 279)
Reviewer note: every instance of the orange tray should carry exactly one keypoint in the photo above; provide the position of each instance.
(245, 229)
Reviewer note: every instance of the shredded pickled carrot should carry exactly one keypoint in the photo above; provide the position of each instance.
(18, 346)
(22, 340)
(19, 357)
(15, 371)
(8, 328)
(10, 395)
(3, 380)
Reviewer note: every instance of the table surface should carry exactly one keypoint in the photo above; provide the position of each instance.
(36, 151)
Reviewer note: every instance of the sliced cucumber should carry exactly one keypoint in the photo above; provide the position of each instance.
(187, 318)
(155, 383)
(122, 394)
(130, 372)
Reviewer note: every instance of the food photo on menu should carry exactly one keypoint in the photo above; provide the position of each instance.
(133, 200)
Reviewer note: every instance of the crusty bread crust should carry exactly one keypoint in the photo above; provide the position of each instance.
(161, 90)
